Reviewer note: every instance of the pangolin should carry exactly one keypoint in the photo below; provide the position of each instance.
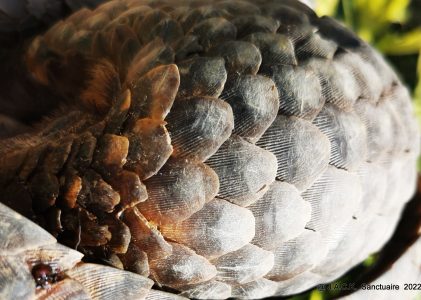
(239, 149)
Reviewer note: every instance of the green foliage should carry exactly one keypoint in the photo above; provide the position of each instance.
(375, 21)
(316, 295)
(369, 261)
(367, 17)
(401, 44)
(327, 7)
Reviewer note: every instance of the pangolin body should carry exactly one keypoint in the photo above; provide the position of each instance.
(235, 149)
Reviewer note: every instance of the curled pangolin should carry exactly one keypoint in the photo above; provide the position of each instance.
(236, 149)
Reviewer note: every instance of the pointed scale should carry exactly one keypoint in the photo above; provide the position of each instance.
(101, 281)
(218, 228)
(245, 171)
(181, 188)
(281, 214)
(198, 126)
(183, 266)
(301, 149)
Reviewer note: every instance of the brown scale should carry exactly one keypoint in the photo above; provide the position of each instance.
(166, 129)
(76, 187)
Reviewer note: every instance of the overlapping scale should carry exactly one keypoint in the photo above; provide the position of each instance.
(133, 14)
(254, 101)
(301, 149)
(167, 29)
(396, 97)
(255, 23)
(213, 31)
(293, 22)
(281, 214)
(112, 8)
(339, 85)
(188, 17)
(135, 260)
(374, 182)
(72, 278)
(376, 240)
(341, 255)
(240, 57)
(347, 136)
(367, 77)
(198, 126)
(218, 228)
(379, 128)
(67, 288)
(153, 94)
(244, 265)
(160, 295)
(98, 21)
(16, 283)
(298, 255)
(96, 194)
(276, 49)
(154, 54)
(398, 172)
(334, 198)
(23, 233)
(315, 46)
(181, 188)
(102, 281)
(182, 267)
(147, 137)
(333, 30)
(300, 91)
(231, 149)
(209, 290)
(298, 284)
(238, 7)
(187, 46)
(110, 154)
(131, 190)
(202, 76)
(245, 171)
(257, 289)
(145, 235)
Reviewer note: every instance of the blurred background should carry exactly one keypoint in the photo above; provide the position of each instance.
(394, 28)
(391, 26)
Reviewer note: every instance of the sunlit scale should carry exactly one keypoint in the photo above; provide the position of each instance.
(239, 149)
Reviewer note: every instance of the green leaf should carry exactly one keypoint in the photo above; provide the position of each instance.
(369, 17)
(316, 295)
(396, 11)
(327, 7)
(366, 34)
(369, 261)
(305, 296)
(348, 10)
(394, 44)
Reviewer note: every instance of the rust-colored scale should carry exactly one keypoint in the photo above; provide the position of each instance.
(222, 150)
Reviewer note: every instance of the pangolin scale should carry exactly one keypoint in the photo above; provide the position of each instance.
(240, 149)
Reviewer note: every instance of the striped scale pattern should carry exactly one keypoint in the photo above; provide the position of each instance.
(238, 149)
